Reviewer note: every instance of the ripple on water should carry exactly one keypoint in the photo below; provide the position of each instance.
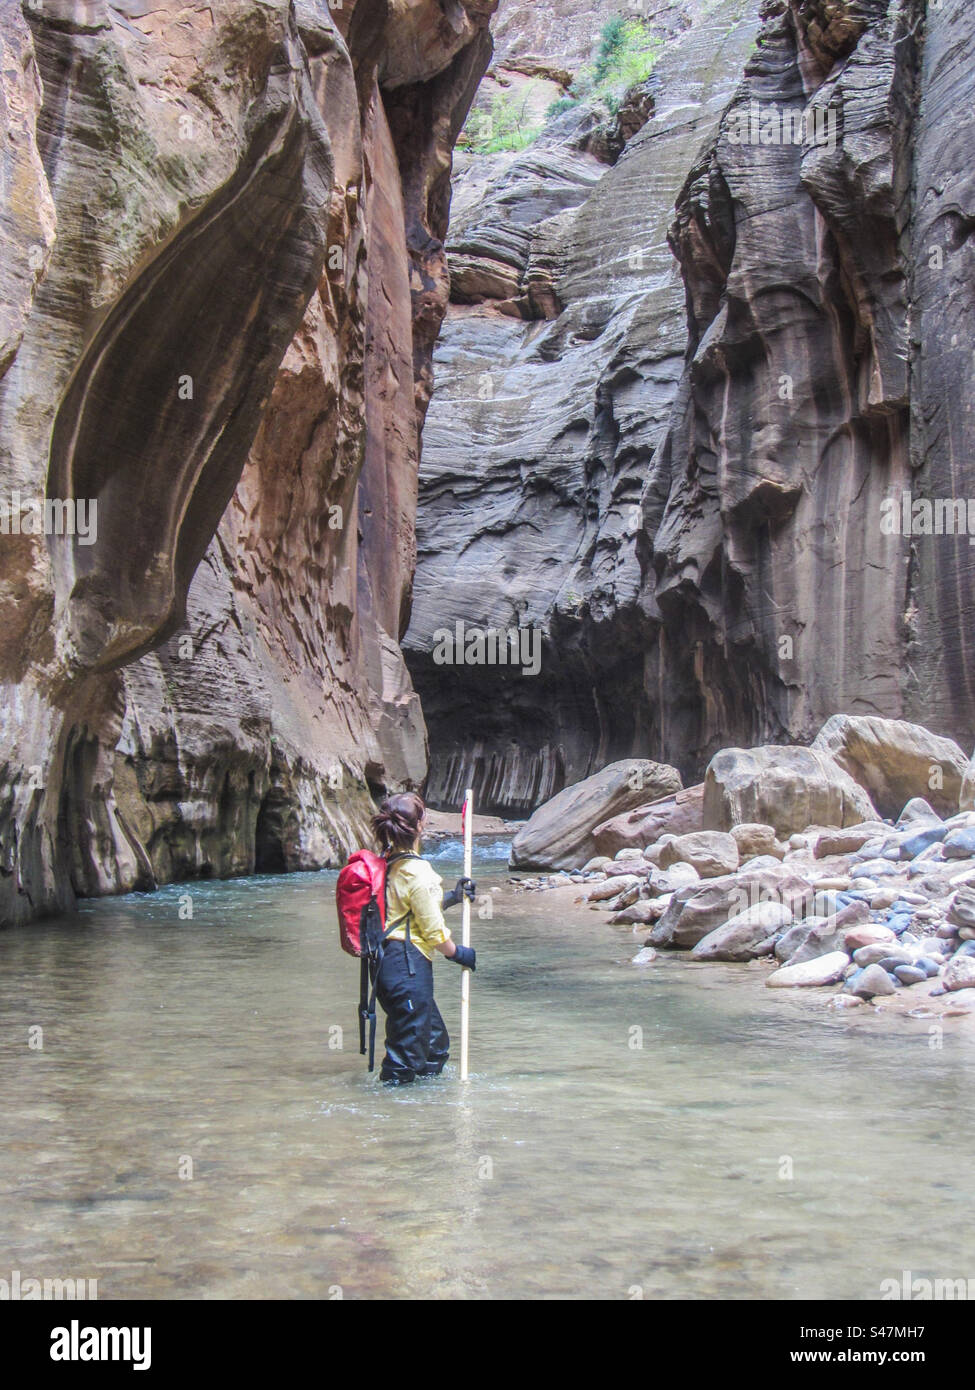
(620, 1129)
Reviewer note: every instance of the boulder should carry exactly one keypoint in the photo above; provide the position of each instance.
(872, 981)
(966, 797)
(959, 973)
(960, 843)
(880, 951)
(698, 910)
(710, 852)
(678, 814)
(829, 935)
(923, 839)
(961, 913)
(599, 864)
(645, 912)
(848, 841)
(669, 880)
(559, 834)
(613, 887)
(917, 812)
(871, 934)
(825, 970)
(755, 841)
(894, 761)
(790, 940)
(743, 934)
(784, 786)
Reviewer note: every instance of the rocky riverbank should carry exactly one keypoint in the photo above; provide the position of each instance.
(868, 913)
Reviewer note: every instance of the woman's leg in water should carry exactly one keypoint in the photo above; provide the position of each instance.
(407, 1001)
(438, 1049)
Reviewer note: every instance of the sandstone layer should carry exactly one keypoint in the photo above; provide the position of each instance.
(691, 472)
(222, 283)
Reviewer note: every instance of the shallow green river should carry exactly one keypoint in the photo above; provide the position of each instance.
(574, 1164)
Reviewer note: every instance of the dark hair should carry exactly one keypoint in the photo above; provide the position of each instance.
(397, 823)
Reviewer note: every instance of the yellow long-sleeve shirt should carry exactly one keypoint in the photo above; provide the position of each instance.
(414, 886)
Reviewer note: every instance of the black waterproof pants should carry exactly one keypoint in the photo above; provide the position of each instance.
(416, 1039)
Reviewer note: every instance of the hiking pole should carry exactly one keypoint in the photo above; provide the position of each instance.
(467, 820)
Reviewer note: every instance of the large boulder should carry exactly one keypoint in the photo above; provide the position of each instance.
(694, 912)
(559, 834)
(710, 852)
(679, 814)
(895, 761)
(966, 798)
(831, 934)
(784, 786)
(740, 937)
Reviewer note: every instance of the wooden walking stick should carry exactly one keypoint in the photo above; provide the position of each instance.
(467, 821)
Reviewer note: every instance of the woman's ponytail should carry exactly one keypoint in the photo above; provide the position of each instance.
(397, 822)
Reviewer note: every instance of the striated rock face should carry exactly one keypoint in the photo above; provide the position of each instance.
(684, 483)
(557, 370)
(228, 278)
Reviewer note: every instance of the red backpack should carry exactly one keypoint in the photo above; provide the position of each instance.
(360, 896)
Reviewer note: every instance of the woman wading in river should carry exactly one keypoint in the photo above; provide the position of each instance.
(416, 1039)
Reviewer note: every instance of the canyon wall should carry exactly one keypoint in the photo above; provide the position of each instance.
(692, 378)
(221, 250)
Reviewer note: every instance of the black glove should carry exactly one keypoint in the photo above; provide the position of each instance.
(464, 886)
(464, 955)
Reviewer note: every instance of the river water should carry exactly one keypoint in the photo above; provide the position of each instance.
(191, 1127)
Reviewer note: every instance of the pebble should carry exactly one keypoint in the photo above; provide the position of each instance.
(868, 935)
(884, 897)
(874, 980)
(929, 966)
(876, 868)
(898, 923)
(910, 974)
(879, 954)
